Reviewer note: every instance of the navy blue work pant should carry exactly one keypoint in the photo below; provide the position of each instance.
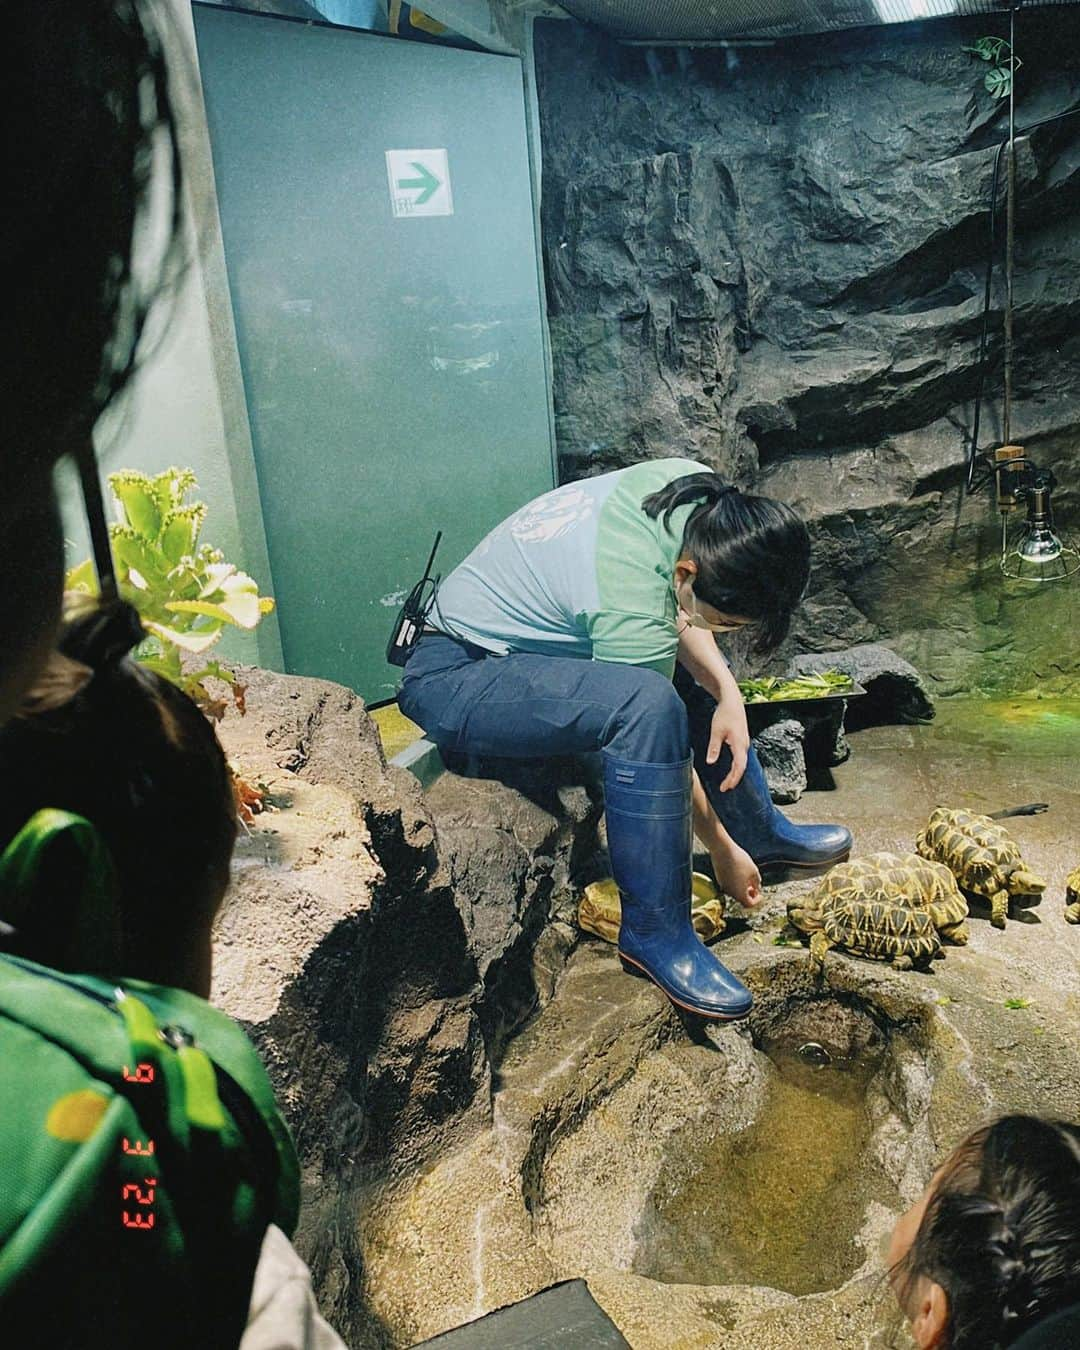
(525, 706)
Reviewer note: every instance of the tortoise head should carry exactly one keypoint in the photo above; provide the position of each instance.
(806, 919)
(957, 933)
(1022, 882)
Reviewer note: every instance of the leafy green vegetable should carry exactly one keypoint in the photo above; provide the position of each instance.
(778, 689)
(1018, 1002)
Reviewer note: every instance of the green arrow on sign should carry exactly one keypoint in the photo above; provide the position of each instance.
(427, 181)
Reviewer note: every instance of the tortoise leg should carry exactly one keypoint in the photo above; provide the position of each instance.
(903, 962)
(1072, 912)
(819, 945)
(999, 908)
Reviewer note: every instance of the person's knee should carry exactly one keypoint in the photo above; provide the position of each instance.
(650, 720)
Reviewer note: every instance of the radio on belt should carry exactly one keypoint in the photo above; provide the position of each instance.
(412, 616)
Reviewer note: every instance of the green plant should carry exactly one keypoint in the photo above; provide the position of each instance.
(185, 592)
(997, 51)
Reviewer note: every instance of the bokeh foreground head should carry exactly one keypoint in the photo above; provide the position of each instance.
(89, 140)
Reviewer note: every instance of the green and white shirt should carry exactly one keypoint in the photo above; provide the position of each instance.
(581, 572)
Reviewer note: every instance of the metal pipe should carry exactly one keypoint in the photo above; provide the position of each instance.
(1010, 232)
(697, 42)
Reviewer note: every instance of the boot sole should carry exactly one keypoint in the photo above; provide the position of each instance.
(633, 968)
(772, 874)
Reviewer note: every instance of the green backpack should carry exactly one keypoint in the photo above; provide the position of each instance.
(142, 1154)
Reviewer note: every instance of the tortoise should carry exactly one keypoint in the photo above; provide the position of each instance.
(982, 856)
(1072, 896)
(885, 906)
(600, 911)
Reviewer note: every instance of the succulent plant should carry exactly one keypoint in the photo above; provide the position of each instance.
(184, 590)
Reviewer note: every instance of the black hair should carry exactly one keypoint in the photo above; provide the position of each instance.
(752, 553)
(105, 738)
(90, 152)
(86, 106)
(1001, 1233)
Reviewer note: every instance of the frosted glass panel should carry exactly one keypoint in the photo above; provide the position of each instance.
(392, 356)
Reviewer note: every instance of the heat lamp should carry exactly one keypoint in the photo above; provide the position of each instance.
(1032, 549)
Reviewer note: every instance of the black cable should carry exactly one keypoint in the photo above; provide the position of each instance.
(972, 485)
(95, 518)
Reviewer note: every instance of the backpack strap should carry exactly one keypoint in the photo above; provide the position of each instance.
(58, 892)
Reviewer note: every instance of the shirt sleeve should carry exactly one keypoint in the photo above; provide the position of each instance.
(283, 1314)
(634, 640)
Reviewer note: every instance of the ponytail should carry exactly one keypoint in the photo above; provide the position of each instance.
(705, 488)
(93, 645)
(102, 634)
(1001, 1233)
(752, 553)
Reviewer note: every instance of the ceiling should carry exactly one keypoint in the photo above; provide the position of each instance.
(720, 20)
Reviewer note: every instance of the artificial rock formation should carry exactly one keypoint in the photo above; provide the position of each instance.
(798, 743)
(771, 260)
(610, 1106)
(384, 947)
(380, 945)
(895, 691)
(779, 746)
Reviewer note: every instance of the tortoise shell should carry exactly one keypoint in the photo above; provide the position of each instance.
(982, 856)
(883, 931)
(904, 879)
(600, 909)
(885, 906)
(1072, 896)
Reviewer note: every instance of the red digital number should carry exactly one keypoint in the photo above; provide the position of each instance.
(139, 1196)
(144, 1073)
(140, 1150)
(139, 1221)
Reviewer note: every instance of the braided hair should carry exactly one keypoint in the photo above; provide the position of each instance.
(1001, 1233)
(752, 553)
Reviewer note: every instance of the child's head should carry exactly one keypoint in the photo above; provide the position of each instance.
(103, 737)
(750, 556)
(993, 1245)
(89, 158)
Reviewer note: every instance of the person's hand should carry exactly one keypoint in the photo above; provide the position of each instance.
(736, 873)
(729, 728)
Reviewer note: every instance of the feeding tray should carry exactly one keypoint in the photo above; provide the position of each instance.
(853, 690)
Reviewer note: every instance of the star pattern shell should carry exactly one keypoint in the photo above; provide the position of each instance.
(1072, 896)
(887, 906)
(979, 852)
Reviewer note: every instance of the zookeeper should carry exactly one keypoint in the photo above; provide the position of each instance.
(561, 633)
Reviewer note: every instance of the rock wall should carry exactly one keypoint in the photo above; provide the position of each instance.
(772, 260)
(380, 946)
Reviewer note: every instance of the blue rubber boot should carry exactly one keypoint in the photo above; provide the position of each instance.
(778, 846)
(650, 838)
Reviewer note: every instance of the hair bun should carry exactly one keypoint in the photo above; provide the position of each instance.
(103, 636)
